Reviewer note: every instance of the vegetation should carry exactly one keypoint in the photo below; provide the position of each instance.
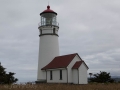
(93, 86)
(90, 75)
(6, 78)
(102, 77)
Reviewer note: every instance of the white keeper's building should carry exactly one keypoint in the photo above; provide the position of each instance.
(53, 68)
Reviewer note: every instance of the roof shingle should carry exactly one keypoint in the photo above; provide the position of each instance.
(60, 62)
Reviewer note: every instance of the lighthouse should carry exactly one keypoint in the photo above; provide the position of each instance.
(48, 44)
(53, 68)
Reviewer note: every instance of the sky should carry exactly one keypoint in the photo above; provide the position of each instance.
(90, 28)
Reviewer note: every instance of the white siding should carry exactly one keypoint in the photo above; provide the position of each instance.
(75, 76)
(70, 75)
(83, 74)
(56, 76)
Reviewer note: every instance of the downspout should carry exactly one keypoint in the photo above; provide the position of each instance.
(78, 75)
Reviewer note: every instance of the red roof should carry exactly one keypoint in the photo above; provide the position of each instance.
(48, 10)
(77, 65)
(60, 62)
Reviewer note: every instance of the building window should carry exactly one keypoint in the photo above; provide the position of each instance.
(51, 75)
(60, 74)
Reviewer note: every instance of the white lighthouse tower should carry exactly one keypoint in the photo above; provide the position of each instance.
(49, 45)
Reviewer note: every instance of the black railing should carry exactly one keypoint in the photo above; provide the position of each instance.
(47, 23)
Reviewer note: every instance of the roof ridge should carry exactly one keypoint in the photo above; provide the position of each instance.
(67, 55)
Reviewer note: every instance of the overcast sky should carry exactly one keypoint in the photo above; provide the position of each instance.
(90, 28)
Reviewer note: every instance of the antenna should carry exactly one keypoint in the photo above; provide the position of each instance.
(48, 2)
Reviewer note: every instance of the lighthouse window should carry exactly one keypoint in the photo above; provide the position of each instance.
(43, 20)
(54, 20)
(53, 30)
(50, 75)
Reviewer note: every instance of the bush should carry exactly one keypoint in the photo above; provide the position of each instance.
(6, 78)
(102, 77)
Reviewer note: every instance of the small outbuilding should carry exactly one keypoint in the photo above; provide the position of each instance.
(66, 69)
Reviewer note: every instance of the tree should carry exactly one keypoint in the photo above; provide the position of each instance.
(102, 77)
(6, 78)
(90, 75)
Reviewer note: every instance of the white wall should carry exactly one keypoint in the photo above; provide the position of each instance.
(70, 75)
(56, 76)
(47, 31)
(75, 76)
(83, 74)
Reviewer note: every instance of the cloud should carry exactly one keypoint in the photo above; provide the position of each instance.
(106, 61)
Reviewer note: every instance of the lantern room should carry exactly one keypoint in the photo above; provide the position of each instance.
(48, 17)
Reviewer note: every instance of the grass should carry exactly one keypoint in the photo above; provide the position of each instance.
(92, 86)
